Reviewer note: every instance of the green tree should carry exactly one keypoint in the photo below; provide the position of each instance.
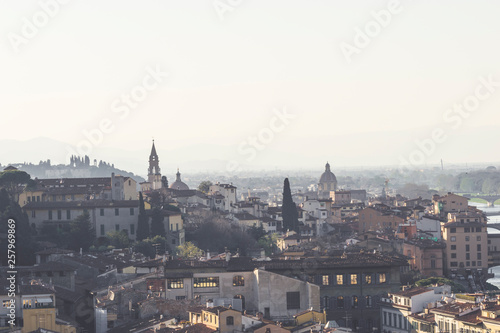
(24, 240)
(188, 251)
(157, 226)
(143, 221)
(82, 234)
(269, 243)
(119, 239)
(205, 186)
(289, 209)
(256, 232)
(150, 246)
(14, 182)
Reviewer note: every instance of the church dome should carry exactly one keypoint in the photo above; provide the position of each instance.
(327, 176)
(179, 184)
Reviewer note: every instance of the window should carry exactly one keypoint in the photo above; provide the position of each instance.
(368, 279)
(340, 279)
(27, 304)
(180, 298)
(479, 256)
(102, 211)
(325, 280)
(355, 302)
(132, 229)
(117, 212)
(479, 263)
(381, 278)
(68, 215)
(478, 247)
(453, 238)
(354, 278)
(131, 211)
(292, 300)
(453, 264)
(59, 214)
(50, 215)
(102, 230)
(5, 303)
(453, 255)
(117, 227)
(206, 282)
(340, 302)
(238, 281)
(175, 284)
(467, 256)
(453, 230)
(230, 321)
(324, 302)
(453, 247)
(467, 247)
(368, 301)
(466, 229)
(467, 238)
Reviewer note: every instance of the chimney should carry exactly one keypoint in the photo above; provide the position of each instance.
(210, 303)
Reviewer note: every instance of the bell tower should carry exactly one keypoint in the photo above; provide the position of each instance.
(154, 175)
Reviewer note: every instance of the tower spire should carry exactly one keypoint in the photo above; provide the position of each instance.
(154, 175)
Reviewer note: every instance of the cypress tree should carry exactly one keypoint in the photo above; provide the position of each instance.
(157, 226)
(289, 209)
(143, 221)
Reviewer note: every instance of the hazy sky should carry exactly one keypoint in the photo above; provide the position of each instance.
(362, 80)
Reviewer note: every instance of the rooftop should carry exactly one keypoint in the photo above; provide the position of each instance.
(412, 292)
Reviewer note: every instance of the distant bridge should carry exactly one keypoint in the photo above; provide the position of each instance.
(489, 198)
(493, 213)
(493, 225)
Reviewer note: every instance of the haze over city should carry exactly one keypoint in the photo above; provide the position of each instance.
(356, 96)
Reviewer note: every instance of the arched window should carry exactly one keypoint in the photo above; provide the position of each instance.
(340, 302)
(355, 301)
(230, 321)
(368, 301)
(238, 281)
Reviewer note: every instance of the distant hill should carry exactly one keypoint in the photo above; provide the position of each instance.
(78, 168)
